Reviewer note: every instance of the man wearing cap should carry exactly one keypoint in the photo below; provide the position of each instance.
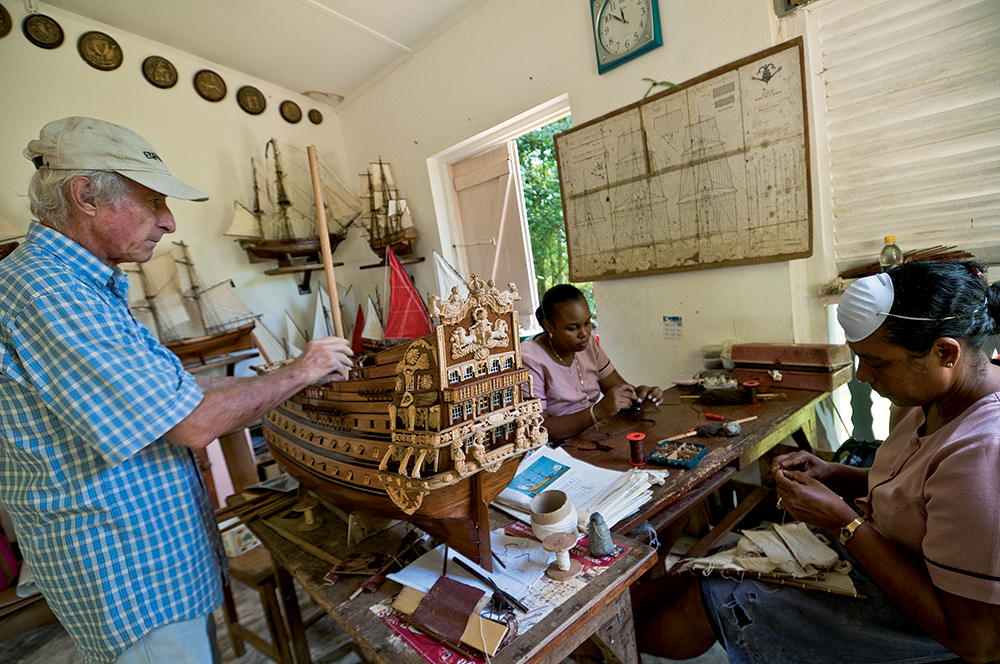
(98, 419)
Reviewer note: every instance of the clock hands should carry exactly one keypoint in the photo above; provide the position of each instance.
(619, 18)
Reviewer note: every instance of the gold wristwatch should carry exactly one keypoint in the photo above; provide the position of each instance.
(847, 532)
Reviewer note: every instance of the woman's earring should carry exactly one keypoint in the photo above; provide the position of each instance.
(949, 364)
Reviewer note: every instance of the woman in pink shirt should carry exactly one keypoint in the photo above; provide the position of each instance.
(574, 379)
(920, 527)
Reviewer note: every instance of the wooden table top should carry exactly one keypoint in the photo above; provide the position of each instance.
(775, 418)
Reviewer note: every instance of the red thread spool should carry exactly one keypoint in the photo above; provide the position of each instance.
(751, 387)
(636, 442)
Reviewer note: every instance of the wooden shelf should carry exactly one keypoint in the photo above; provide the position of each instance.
(403, 260)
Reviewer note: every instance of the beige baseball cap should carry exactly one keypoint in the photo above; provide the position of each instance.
(86, 144)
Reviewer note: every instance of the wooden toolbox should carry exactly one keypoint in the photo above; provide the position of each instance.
(820, 367)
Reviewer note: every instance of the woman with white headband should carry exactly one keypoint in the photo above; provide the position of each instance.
(921, 527)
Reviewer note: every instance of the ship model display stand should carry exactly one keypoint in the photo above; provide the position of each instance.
(202, 326)
(280, 231)
(427, 431)
(387, 216)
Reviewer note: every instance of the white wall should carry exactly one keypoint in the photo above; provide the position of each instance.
(503, 58)
(208, 145)
(509, 56)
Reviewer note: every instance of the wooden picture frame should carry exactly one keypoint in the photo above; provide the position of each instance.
(712, 173)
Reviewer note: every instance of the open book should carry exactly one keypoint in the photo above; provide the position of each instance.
(615, 495)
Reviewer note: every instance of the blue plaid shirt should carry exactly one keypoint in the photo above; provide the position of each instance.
(114, 522)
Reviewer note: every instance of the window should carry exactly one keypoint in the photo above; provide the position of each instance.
(495, 365)
(454, 376)
(508, 362)
(497, 399)
(912, 109)
(470, 371)
(468, 408)
(456, 413)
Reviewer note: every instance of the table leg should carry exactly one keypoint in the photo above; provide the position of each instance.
(616, 637)
(290, 605)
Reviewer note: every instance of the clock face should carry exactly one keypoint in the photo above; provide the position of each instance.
(624, 29)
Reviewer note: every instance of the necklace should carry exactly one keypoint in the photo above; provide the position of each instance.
(579, 373)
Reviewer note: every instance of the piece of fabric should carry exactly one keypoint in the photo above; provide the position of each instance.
(565, 390)
(764, 623)
(938, 496)
(114, 522)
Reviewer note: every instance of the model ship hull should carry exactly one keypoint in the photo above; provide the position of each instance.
(430, 431)
(401, 242)
(286, 251)
(212, 345)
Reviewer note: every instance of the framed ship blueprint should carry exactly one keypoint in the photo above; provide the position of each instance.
(712, 173)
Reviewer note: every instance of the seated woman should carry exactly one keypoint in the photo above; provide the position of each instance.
(925, 549)
(572, 376)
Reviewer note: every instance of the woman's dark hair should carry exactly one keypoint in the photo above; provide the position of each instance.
(954, 295)
(554, 298)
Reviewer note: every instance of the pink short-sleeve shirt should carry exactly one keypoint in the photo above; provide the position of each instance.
(938, 497)
(565, 390)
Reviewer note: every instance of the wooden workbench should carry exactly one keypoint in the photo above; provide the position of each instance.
(601, 609)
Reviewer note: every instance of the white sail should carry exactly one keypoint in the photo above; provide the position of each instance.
(7, 230)
(268, 345)
(223, 309)
(244, 223)
(447, 278)
(162, 285)
(295, 343)
(373, 328)
(322, 317)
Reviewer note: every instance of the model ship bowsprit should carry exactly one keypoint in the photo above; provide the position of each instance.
(429, 431)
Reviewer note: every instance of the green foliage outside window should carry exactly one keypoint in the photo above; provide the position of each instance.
(543, 202)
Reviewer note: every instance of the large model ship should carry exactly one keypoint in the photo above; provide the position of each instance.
(429, 431)
(274, 228)
(386, 215)
(196, 323)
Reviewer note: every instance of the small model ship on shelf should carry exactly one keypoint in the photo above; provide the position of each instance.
(428, 431)
(386, 215)
(197, 324)
(280, 230)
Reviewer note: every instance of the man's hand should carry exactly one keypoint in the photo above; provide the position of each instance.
(326, 357)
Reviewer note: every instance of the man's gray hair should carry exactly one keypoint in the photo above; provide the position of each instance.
(48, 192)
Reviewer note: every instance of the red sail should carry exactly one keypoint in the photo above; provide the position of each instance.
(359, 326)
(408, 317)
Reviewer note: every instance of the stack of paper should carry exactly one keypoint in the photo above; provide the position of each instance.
(615, 495)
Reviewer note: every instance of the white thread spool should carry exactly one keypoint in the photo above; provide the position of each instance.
(552, 512)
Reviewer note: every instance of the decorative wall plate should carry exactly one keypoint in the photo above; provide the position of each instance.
(5, 21)
(315, 116)
(99, 50)
(42, 31)
(291, 111)
(159, 71)
(210, 85)
(251, 100)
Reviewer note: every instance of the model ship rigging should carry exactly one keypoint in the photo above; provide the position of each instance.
(281, 230)
(197, 324)
(386, 215)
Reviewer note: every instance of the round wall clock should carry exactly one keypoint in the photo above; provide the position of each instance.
(159, 71)
(5, 21)
(290, 111)
(210, 85)
(99, 51)
(251, 100)
(624, 29)
(42, 31)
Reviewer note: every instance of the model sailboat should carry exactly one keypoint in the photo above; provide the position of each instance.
(196, 323)
(277, 228)
(386, 215)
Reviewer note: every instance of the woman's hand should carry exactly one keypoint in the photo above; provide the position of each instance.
(808, 500)
(653, 394)
(617, 398)
(804, 462)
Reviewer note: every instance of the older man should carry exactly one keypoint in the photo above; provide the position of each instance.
(98, 419)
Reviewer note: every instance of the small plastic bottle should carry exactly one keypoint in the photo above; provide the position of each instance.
(891, 255)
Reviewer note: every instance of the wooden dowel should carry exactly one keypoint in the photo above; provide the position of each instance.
(324, 242)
